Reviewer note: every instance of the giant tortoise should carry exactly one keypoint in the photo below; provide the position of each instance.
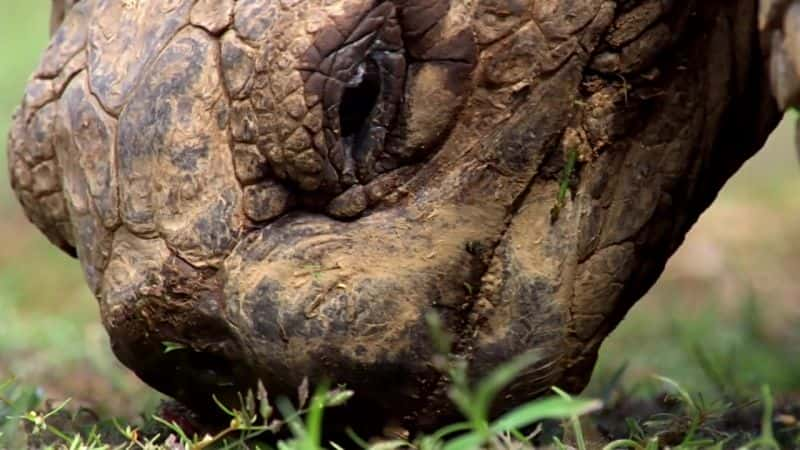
(286, 188)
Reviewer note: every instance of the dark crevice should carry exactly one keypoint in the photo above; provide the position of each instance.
(417, 60)
(464, 340)
(358, 101)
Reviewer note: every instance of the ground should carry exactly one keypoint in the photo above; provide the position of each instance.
(722, 321)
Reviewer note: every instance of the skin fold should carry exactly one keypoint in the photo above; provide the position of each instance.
(287, 188)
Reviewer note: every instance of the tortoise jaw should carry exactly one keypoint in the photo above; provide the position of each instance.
(305, 296)
(307, 285)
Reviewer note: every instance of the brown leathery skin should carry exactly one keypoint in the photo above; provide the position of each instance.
(779, 24)
(288, 187)
(59, 10)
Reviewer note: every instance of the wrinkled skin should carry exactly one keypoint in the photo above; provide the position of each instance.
(288, 187)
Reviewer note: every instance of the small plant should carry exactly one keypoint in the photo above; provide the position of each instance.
(41, 429)
(474, 403)
(170, 346)
(39, 421)
(767, 438)
(255, 418)
(564, 183)
(575, 421)
(687, 428)
(15, 401)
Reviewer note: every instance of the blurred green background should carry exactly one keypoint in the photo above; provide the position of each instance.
(724, 316)
(50, 333)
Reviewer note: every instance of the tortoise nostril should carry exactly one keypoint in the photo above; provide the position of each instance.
(359, 99)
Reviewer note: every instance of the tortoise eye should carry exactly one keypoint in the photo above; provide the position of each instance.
(359, 99)
(353, 86)
(364, 110)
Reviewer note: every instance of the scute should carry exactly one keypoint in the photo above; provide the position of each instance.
(253, 18)
(238, 64)
(175, 166)
(93, 133)
(213, 15)
(35, 174)
(85, 138)
(69, 39)
(134, 270)
(124, 40)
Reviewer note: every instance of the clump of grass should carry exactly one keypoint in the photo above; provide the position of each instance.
(687, 428)
(474, 401)
(767, 438)
(256, 417)
(259, 423)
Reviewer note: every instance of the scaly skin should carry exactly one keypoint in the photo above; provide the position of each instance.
(288, 187)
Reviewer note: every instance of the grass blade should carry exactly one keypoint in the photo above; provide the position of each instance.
(547, 408)
(499, 378)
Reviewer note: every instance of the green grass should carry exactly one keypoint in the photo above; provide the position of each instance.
(691, 422)
(718, 355)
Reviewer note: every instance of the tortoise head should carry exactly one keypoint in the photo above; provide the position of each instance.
(287, 188)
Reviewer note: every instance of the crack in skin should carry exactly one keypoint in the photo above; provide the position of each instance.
(414, 147)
